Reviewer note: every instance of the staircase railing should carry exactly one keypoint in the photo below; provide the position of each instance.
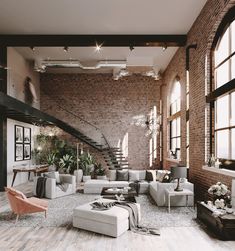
(88, 129)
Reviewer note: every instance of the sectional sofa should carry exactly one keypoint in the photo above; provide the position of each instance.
(156, 188)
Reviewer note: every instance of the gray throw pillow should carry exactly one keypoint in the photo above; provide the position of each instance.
(122, 175)
(134, 175)
(53, 175)
(112, 175)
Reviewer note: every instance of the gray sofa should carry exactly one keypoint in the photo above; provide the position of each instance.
(156, 189)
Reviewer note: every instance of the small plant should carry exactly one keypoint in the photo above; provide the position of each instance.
(99, 170)
(67, 163)
(51, 159)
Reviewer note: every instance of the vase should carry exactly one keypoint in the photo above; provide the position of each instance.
(78, 173)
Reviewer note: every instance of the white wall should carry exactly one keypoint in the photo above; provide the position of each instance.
(18, 70)
(21, 177)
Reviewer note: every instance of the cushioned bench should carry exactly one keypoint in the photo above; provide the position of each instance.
(112, 222)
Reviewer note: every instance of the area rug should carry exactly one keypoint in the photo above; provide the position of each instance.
(61, 209)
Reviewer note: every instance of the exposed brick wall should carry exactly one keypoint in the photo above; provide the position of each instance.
(110, 105)
(202, 33)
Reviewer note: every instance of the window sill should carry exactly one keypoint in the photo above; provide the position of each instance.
(220, 171)
(173, 160)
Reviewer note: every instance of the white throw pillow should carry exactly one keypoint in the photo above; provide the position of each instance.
(134, 175)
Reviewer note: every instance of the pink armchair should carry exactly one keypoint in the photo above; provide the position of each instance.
(22, 205)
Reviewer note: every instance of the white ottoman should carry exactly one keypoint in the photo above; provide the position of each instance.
(112, 222)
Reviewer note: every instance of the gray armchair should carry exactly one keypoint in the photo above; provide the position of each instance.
(53, 190)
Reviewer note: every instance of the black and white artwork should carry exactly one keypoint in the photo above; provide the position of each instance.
(27, 135)
(19, 134)
(27, 152)
(19, 152)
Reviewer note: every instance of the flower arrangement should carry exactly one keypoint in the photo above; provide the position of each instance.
(219, 190)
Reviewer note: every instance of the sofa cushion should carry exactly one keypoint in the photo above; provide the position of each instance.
(142, 174)
(122, 175)
(134, 175)
(151, 175)
(112, 175)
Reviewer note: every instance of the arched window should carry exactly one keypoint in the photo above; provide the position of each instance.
(174, 119)
(222, 96)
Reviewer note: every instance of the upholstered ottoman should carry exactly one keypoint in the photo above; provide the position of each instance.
(112, 222)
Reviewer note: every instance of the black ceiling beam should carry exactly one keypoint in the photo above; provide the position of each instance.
(91, 40)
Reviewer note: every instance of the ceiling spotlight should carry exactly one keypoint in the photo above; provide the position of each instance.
(164, 47)
(32, 48)
(66, 49)
(98, 47)
(131, 47)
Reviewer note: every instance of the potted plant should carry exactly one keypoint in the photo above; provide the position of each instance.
(86, 163)
(66, 164)
(100, 172)
(51, 160)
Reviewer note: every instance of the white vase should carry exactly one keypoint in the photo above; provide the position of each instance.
(78, 173)
(86, 177)
(101, 177)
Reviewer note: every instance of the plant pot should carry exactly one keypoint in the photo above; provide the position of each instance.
(78, 173)
(101, 177)
(86, 177)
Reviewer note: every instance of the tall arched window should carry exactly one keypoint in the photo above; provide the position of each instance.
(174, 119)
(222, 96)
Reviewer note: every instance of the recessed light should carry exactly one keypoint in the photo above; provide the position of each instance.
(32, 48)
(164, 47)
(131, 47)
(98, 47)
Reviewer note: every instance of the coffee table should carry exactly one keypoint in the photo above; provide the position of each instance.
(129, 196)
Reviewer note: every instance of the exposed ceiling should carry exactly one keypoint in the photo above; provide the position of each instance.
(100, 17)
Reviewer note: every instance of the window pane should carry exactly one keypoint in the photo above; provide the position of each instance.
(233, 35)
(178, 127)
(178, 142)
(173, 144)
(173, 108)
(222, 74)
(173, 128)
(222, 51)
(222, 144)
(233, 144)
(222, 112)
(233, 109)
(178, 105)
(233, 67)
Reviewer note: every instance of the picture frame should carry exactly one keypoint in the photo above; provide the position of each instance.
(27, 151)
(19, 152)
(27, 135)
(19, 134)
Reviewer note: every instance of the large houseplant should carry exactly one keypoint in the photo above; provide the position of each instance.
(67, 164)
(86, 163)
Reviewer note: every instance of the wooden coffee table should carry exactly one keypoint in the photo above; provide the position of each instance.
(129, 196)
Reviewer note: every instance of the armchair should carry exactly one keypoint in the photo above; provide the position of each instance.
(21, 205)
(53, 191)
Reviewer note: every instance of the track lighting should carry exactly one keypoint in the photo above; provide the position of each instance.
(98, 47)
(131, 47)
(66, 49)
(164, 47)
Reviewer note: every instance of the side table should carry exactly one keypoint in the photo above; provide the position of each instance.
(171, 193)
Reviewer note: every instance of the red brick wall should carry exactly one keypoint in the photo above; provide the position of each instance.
(110, 105)
(202, 33)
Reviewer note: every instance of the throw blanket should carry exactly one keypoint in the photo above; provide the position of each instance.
(63, 186)
(133, 216)
(41, 187)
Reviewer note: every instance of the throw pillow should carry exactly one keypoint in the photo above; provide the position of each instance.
(142, 174)
(122, 175)
(162, 175)
(112, 175)
(151, 175)
(53, 175)
(134, 175)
